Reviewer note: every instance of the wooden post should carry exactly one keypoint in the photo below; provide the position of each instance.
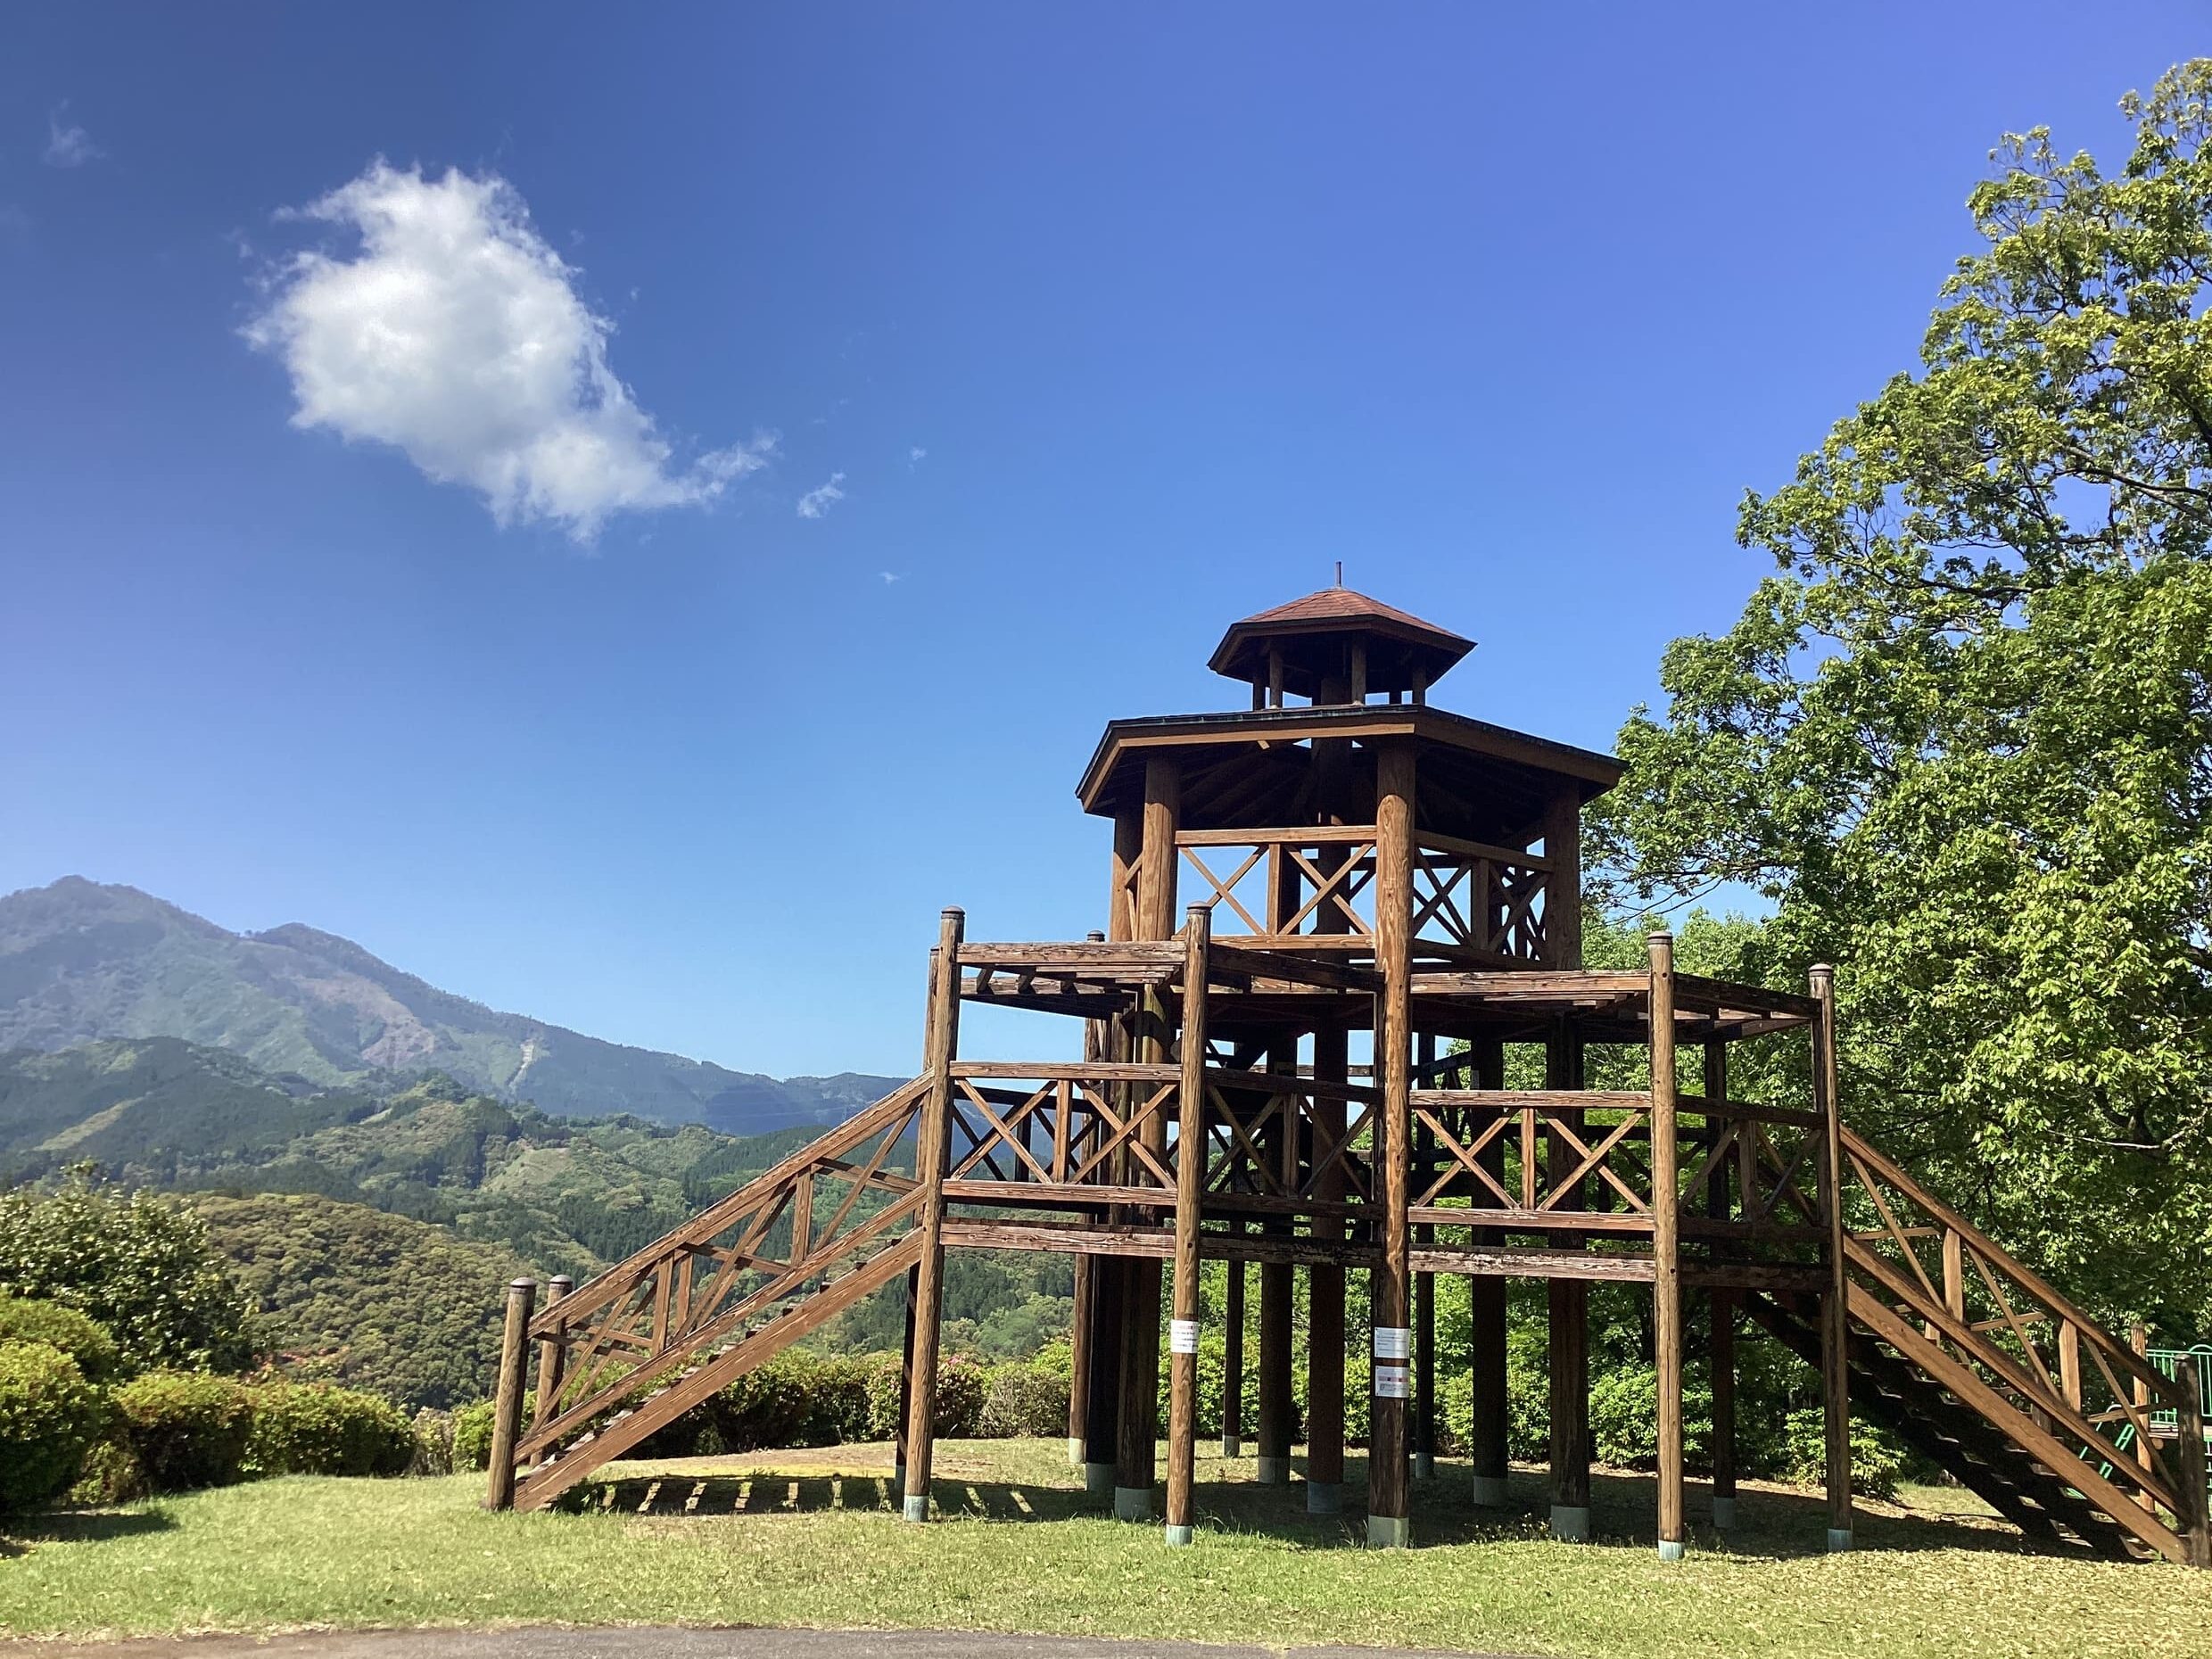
(1324, 1295)
(1568, 1306)
(1389, 1523)
(1079, 1331)
(1834, 1302)
(1277, 1292)
(507, 1404)
(1486, 1319)
(1233, 1357)
(1102, 1432)
(1666, 1244)
(906, 1381)
(1154, 919)
(1425, 1300)
(2195, 1525)
(932, 1147)
(2139, 1345)
(1722, 1304)
(1079, 1362)
(1190, 1167)
(552, 1353)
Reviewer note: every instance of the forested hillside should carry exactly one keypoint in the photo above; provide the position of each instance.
(373, 1300)
(566, 1194)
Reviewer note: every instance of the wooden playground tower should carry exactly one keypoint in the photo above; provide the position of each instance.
(1359, 870)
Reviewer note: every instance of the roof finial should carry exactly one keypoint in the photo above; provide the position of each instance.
(1340, 573)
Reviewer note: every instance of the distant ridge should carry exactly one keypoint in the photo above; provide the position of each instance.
(83, 961)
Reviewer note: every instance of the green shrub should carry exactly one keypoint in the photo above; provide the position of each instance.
(83, 1339)
(110, 1475)
(139, 1263)
(961, 1388)
(796, 1399)
(319, 1428)
(884, 1374)
(1876, 1460)
(472, 1435)
(1023, 1399)
(50, 1417)
(433, 1442)
(186, 1430)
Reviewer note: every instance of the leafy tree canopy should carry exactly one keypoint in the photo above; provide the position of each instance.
(1962, 738)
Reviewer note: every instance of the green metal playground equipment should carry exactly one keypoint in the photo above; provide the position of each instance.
(2168, 1361)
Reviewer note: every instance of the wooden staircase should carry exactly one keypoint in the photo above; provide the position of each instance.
(636, 1348)
(1976, 1362)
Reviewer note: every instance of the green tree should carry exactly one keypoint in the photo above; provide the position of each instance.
(1962, 739)
(138, 1263)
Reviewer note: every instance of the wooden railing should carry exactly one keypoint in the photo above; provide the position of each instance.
(1312, 889)
(1093, 1133)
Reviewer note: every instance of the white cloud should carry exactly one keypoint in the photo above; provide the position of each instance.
(455, 334)
(814, 503)
(69, 146)
(915, 454)
(888, 576)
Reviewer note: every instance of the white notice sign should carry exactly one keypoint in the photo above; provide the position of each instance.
(1391, 1384)
(1393, 1342)
(1183, 1336)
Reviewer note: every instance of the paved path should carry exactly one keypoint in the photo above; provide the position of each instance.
(648, 1643)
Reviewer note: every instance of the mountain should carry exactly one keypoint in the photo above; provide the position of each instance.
(566, 1195)
(81, 961)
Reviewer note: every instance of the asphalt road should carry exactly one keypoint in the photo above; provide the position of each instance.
(650, 1643)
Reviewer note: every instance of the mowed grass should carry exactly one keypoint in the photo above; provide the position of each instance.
(812, 1539)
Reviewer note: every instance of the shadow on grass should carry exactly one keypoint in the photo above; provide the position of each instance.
(81, 1526)
(1772, 1524)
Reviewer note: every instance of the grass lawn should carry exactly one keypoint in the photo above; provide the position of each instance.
(810, 1537)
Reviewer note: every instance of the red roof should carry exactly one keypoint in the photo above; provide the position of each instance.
(1344, 605)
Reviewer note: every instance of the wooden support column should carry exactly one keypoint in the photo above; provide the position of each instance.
(1424, 1298)
(1190, 1167)
(1277, 1292)
(1109, 1275)
(1389, 1523)
(1834, 1302)
(1079, 1362)
(2195, 1524)
(1079, 1331)
(906, 1380)
(1666, 1249)
(1722, 1305)
(1324, 1295)
(1154, 920)
(1101, 1415)
(933, 1141)
(1485, 1320)
(1567, 1325)
(507, 1404)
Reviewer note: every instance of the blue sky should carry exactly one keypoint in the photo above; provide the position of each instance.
(1111, 326)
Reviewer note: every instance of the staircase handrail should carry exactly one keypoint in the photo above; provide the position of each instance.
(607, 1287)
(2138, 1369)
